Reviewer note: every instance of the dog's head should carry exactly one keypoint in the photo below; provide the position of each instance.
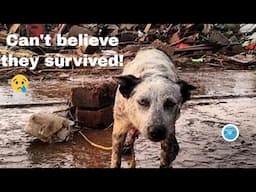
(153, 104)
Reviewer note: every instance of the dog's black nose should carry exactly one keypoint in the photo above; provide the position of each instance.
(157, 133)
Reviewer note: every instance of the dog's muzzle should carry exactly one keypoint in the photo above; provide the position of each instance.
(157, 133)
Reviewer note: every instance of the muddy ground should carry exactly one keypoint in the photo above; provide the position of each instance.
(198, 129)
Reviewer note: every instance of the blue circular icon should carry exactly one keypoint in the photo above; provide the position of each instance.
(230, 132)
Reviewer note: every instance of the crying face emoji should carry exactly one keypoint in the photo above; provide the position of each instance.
(19, 83)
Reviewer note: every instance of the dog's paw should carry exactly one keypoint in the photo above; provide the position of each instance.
(127, 149)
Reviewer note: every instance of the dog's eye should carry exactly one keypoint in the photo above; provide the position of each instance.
(144, 102)
(168, 104)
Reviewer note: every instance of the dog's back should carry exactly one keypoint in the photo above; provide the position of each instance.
(151, 62)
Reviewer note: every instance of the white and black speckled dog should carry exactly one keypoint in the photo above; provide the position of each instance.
(149, 99)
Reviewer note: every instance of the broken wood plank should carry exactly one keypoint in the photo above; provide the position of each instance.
(22, 105)
(9, 69)
(14, 28)
(3, 35)
(193, 48)
(145, 32)
(244, 59)
(53, 70)
(16, 53)
(198, 97)
(147, 28)
(178, 41)
(59, 29)
(168, 28)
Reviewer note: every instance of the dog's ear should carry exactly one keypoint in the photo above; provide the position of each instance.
(185, 90)
(127, 84)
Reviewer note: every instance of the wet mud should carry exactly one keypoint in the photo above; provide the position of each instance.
(198, 129)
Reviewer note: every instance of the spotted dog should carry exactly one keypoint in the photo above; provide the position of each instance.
(149, 98)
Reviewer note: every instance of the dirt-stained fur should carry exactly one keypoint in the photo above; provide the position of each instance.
(149, 99)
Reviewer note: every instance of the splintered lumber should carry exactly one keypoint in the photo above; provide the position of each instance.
(14, 28)
(16, 53)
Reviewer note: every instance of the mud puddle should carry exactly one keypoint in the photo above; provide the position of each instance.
(198, 129)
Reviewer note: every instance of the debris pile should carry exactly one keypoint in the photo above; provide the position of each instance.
(188, 44)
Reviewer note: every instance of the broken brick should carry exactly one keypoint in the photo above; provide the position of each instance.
(95, 93)
(98, 119)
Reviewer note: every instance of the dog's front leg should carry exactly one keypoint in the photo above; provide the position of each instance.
(120, 130)
(169, 151)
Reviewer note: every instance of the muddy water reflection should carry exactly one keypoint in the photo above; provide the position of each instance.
(198, 129)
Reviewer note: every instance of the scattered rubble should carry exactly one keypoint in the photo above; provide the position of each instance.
(191, 46)
(177, 40)
(93, 99)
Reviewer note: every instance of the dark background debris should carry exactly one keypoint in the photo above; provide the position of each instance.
(218, 44)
